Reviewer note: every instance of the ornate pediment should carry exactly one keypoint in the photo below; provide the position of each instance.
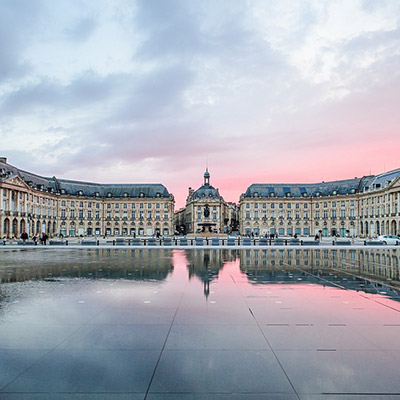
(395, 183)
(16, 181)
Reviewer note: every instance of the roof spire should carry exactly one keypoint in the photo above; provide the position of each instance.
(206, 177)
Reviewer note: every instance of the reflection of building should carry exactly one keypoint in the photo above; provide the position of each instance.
(206, 264)
(129, 264)
(36, 204)
(206, 211)
(355, 207)
(290, 264)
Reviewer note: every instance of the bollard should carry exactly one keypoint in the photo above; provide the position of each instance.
(176, 242)
(254, 242)
(207, 241)
(333, 242)
(113, 242)
(144, 242)
(98, 242)
(270, 241)
(160, 242)
(66, 243)
(129, 242)
(301, 243)
(238, 241)
(191, 242)
(223, 241)
(4, 242)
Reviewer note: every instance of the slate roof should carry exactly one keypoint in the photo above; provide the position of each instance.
(86, 188)
(206, 191)
(347, 186)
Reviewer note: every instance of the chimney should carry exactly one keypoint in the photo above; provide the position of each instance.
(3, 160)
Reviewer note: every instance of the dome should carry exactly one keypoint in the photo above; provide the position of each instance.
(206, 191)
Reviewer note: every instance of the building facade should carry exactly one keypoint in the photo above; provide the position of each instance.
(35, 204)
(364, 207)
(206, 211)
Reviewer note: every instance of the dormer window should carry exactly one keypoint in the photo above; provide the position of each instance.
(62, 191)
(96, 194)
(255, 194)
(80, 193)
(126, 194)
(272, 194)
(141, 194)
(318, 194)
(334, 192)
(109, 194)
(353, 191)
(158, 194)
(304, 194)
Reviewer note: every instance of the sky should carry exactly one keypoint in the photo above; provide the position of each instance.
(146, 91)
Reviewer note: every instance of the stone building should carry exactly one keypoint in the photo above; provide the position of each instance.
(206, 211)
(37, 204)
(365, 207)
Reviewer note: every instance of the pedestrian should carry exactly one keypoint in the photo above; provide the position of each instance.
(24, 237)
(44, 238)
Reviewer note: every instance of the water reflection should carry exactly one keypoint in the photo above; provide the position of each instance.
(142, 264)
(135, 321)
(372, 270)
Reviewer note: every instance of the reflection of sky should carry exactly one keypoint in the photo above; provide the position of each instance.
(78, 325)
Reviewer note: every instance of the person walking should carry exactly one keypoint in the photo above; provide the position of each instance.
(24, 237)
(44, 238)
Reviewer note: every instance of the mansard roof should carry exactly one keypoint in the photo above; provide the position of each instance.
(347, 186)
(381, 180)
(71, 187)
(206, 191)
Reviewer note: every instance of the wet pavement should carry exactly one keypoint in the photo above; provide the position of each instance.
(199, 324)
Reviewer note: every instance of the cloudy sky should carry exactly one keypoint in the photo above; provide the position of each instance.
(144, 91)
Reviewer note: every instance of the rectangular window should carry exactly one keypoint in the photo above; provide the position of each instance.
(133, 215)
(89, 214)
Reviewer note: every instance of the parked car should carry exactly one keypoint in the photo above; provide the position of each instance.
(389, 239)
